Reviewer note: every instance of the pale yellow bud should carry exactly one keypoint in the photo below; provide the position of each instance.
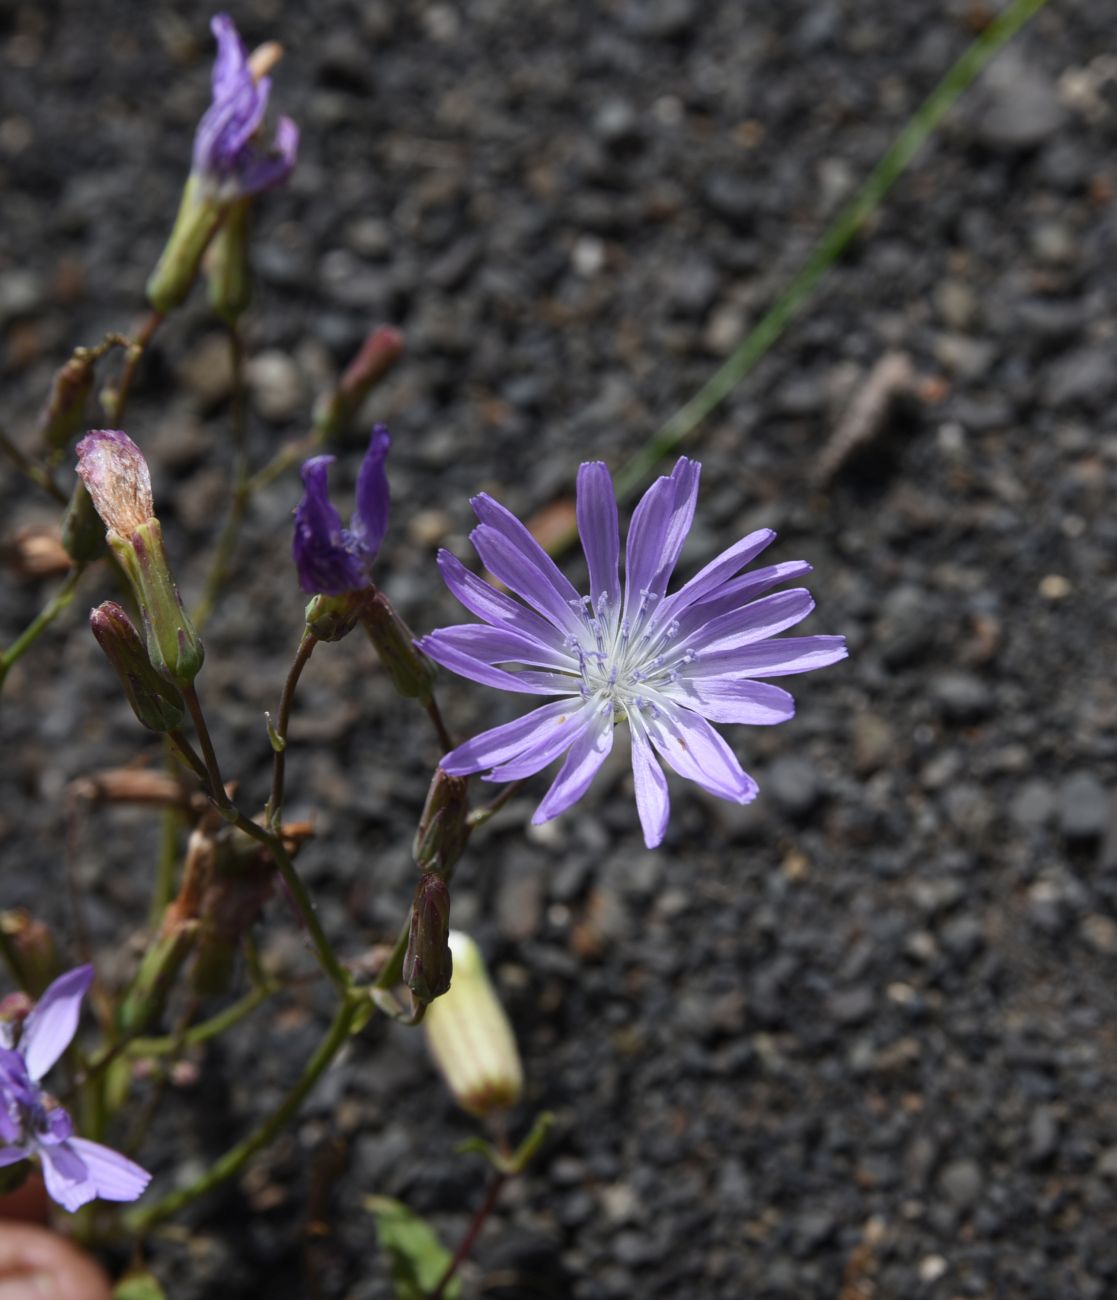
(470, 1037)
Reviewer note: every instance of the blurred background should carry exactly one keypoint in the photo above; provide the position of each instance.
(857, 1040)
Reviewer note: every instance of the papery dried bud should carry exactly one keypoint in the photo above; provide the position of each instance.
(331, 618)
(470, 1037)
(114, 471)
(227, 267)
(64, 413)
(154, 700)
(83, 533)
(444, 825)
(412, 673)
(428, 964)
(30, 946)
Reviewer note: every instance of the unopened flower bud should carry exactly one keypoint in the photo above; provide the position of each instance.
(199, 216)
(332, 617)
(444, 825)
(227, 267)
(412, 673)
(377, 357)
(154, 700)
(427, 963)
(64, 413)
(161, 964)
(470, 1037)
(83, 533)
(115, 472)
(30, 947)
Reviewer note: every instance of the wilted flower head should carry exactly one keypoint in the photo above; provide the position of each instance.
(75, 1170)
(116, 476)
(329, 558)
(227, 156)
(668, 665)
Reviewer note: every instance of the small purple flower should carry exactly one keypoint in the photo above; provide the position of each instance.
(32, 1122)
(330, 559)
(670, 665)
(227, 157)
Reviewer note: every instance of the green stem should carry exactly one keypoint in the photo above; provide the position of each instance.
(27, 638)
(480, 816)
(27, 466)
(114, 400)
(209, 754)
(231, 1163)
(298, 891)
(242, 489)
(274, 809)
(206, 1030)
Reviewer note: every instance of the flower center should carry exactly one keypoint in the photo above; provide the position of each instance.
(625, 660)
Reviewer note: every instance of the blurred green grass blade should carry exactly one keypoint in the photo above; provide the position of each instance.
(828, 249)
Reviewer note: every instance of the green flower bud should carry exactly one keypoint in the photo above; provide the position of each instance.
(154, 700)
(470, 1037)
(30, 947)
(412, 673)
(199, 216)
(332, 617)
(83, 533)
(377, 357)
(64, 413)
(427, 963)
(444, 825)
(227, 267)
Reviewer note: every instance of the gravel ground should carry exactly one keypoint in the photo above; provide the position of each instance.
(855, 1041)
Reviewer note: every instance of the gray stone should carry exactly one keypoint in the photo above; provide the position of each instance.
(1022, 109)
(962, 697)
(793, 784)
(1083, 807)
(962, 1183)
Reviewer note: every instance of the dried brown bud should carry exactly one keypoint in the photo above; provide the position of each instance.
(115, 472)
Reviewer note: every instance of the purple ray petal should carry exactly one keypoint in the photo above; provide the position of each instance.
(506, 562)
(719, 570)
(499, 645)
(495, 515)
(652, 801)
(231, 60)
(444, 652)
(779, 658)
(599, 530)
(733, 699)
(490, 748)
(737, 592)
(753, 622)
(586, 755)
(323, 563)
(370, 519)
(685, 477)
(52, 1024)
(114, 1177)
(259, 170)
(553, 739)
(694, 749)
(646, 537)
(497, 609)
(12, 1155)
(66, 1177)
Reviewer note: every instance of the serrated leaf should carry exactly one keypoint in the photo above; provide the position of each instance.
(419, 1260)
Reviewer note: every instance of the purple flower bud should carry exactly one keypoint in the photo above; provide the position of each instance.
(377, 356)
(330, 559)
(154, 700)
(444, 825)
(227, 157)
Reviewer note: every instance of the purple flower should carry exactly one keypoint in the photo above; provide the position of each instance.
(227, 157)
(670, 665)
(32, 1122)
(330, 559)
